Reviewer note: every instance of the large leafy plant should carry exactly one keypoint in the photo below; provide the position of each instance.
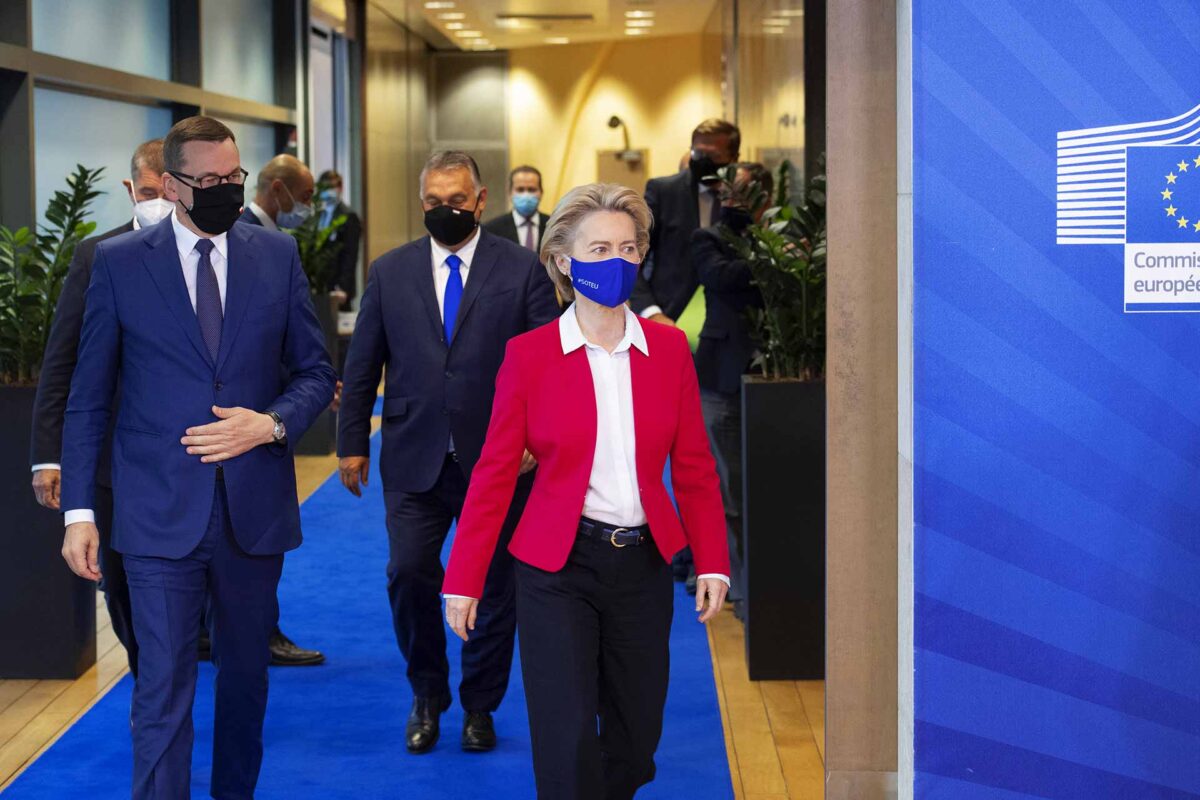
(318, 250)
(33, 265)
(786, 253)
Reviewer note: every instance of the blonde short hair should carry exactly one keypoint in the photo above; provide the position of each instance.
(573, 209)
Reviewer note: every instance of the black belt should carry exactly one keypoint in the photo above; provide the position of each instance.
(615, 535)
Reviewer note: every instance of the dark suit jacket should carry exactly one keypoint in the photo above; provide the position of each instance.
(667, 277)
(725, 347)
(506, 227)
(349, 234)
(140, 330)
(249, 217)
(58, 362)
(432, 390)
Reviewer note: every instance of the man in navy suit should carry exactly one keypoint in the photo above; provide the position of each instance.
(437, 313)
(282, 195)
(208, 328)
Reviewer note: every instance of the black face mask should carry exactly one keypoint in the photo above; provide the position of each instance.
(736, 218)
(450, 226)
(215, 209)
(704, 169)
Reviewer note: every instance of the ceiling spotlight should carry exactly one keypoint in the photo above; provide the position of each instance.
(468, 34)
(452, 15)
(790, 12)
(775, 31)
(777, 22)
(439, 4)
(639, 14)
(557, 40)
(635, 31)
(639, 23)
(455, 26)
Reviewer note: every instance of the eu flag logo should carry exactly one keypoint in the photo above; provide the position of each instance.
(1163, 194)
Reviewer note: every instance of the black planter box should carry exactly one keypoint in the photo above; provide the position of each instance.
(47, 614)
(321, 438)
(783, 495)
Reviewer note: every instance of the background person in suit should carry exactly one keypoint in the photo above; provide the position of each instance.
(208, 328)
(283, 194)
(145, 190)
(726, 347)
(525, 223)
(437, 313)
(601, 399)
(349, 234)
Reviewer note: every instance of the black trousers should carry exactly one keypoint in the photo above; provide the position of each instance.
(417, 525)
(723, 422)
(113, 582)
(595, 648)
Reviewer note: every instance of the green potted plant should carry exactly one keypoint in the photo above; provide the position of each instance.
(783, 432)
(47, 615)
(318, 258)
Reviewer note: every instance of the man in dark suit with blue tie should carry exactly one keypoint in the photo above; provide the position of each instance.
(438, 313)
(208, 328)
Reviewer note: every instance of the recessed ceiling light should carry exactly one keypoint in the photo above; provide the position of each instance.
(557, 40)
(455, 26)
(639, 14)
(452, 15)
(468, 34)
(777, 22)
(775, 31)
(639, 23)
(509, 22)
(635, 31)
(790, 12)
(439, 4)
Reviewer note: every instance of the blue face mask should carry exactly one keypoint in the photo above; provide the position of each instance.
(525, 203)
(330, 197)
(608, 282)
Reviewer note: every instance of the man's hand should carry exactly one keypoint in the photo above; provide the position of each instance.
(81, 550)
(337, 398)
(528, 462)
(239, 430)
(460, 615)
(663, 318)
(354, 469)
(710, 596)
(47, 487)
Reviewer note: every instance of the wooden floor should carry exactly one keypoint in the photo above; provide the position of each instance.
(774, 730)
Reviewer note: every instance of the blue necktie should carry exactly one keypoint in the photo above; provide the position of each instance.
(208, 299)
(454, 290)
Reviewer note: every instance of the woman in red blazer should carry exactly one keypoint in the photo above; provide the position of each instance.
(600, 398)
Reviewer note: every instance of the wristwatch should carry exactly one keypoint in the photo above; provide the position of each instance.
(280, 432)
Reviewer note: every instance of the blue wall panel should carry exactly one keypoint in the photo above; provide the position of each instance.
(1057, 437)
(129, 35)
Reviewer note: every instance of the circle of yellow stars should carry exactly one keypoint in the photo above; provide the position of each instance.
(1167, 194)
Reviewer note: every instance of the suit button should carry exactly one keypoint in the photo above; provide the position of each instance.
(449, 374)
(218, 386)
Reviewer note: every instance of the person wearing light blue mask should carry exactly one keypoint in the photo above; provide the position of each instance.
(524, 224)
(283, 195)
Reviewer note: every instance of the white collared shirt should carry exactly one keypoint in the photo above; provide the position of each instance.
(189, 261)
(521, 221)
(441, 270)
(263, 216)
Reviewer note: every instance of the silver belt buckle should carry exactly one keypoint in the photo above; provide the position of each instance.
(612, 537)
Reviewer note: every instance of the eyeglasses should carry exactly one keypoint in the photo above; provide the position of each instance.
(238, 176)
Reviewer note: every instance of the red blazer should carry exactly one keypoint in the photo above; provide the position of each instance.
(545, 402)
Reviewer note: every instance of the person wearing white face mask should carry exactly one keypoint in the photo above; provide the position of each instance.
(145, 190)
(282, 196)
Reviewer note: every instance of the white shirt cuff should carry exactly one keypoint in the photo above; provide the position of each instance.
(650, 311)
(459, 596)
(716, 575)
(40, 467)
(79, 515)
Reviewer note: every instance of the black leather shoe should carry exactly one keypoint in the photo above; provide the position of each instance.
(285, 653)
(205, 648)
(478, 733)
(421, 733)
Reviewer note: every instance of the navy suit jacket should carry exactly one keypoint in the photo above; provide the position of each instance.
(668, 278)
(140, 329)
(432, 390)
(726, 347)
(249, 217)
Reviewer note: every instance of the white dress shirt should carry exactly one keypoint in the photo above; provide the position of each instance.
(263, 216)
(521, 221)
(189, 260)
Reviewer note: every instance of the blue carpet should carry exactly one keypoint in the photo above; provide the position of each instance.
(337, 731)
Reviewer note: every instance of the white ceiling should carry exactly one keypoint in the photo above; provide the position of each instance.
(509, 24)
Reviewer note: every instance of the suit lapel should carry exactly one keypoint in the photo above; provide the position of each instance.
(425, 287)
(241, 277)
(162, 262)
(689, 195)
(481, 267)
